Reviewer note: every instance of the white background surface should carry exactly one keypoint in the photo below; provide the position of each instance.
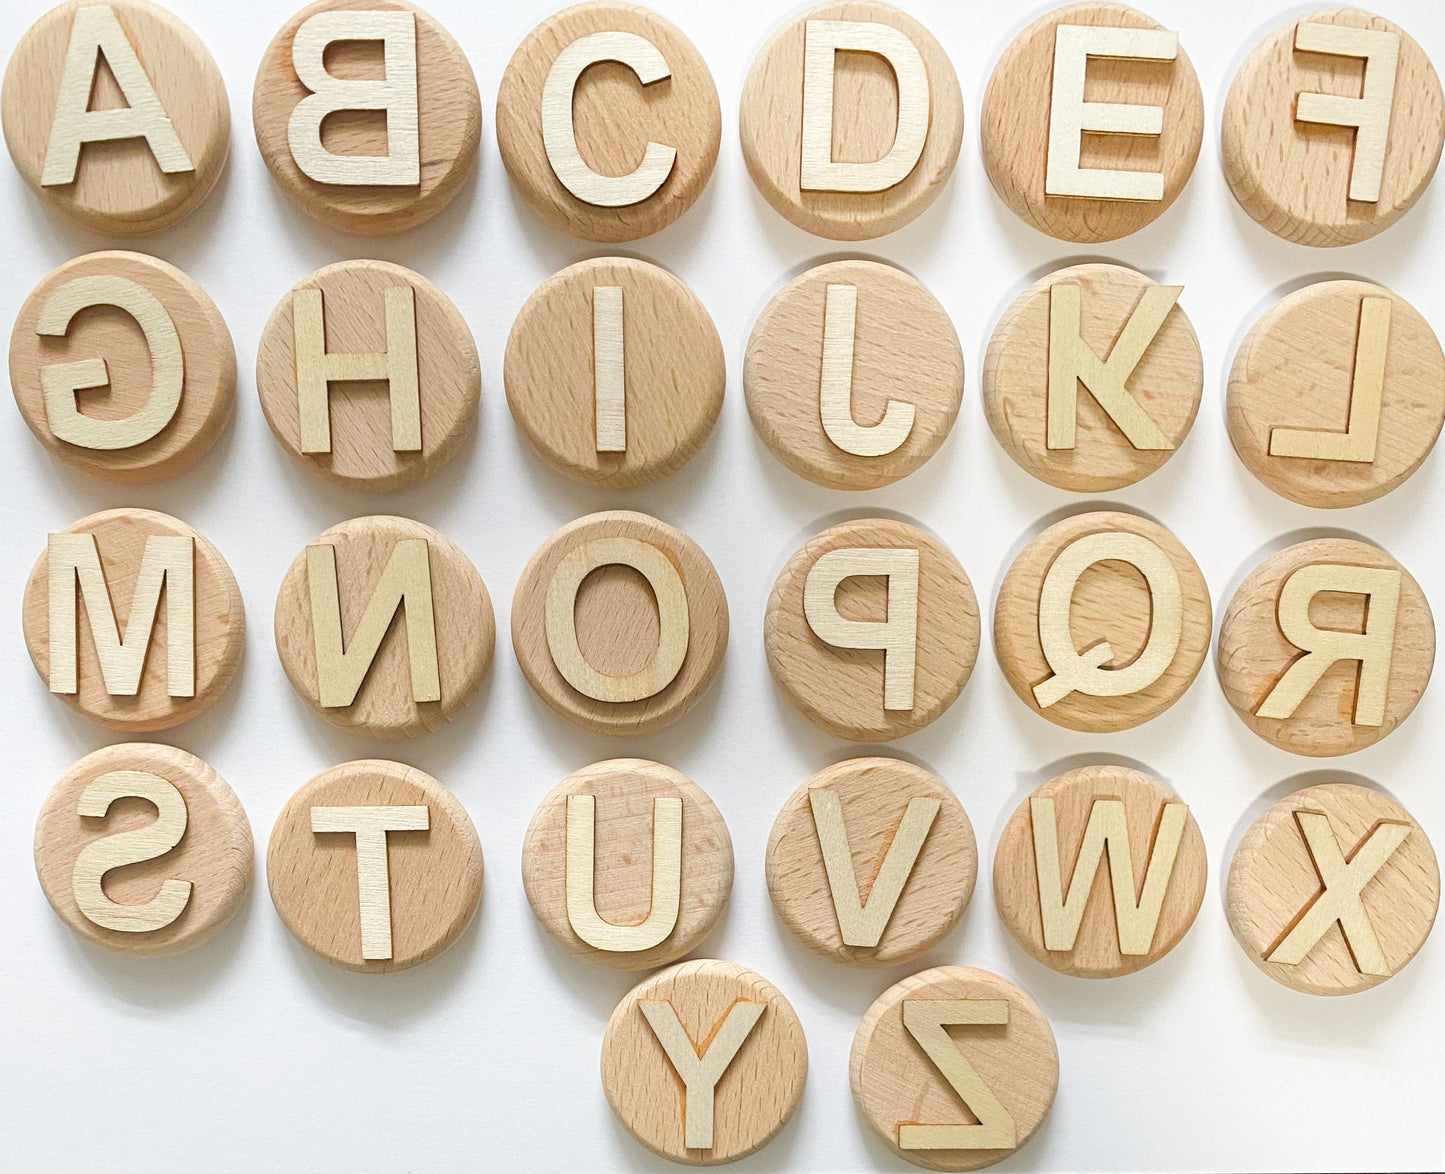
(250, 1054)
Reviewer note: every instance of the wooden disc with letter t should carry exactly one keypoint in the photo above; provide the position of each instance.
(608, 121)
(375, 866)
(704, 1062)
(1092, 122)
(143, 849)
(1333, 889)
(1058, 848)
(129, 148)
(1326, 647)
(1337, 394)
(954, 1068)
(851, 119)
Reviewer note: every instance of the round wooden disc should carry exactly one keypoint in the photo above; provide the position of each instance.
(220, 623)
(905, 351)
(1111, 602)
(617, 624)
(1167, 383)
(874, 795)
(673, 370)
(1254, 653)
(895, 1083)
(435, 875)
(1014, 127)
(841, 689)
(615, 118)
(449, 379)
(1294, 177)
(1096, 952)
(119, 187)
(770, 122)
(1274, 880)
(465, 630)
(106, 332)
(1296, 369)
(758, 1091)
(624, 791)
(213, 855)
(449, 123)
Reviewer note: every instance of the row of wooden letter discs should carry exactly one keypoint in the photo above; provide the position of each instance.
(609, 125)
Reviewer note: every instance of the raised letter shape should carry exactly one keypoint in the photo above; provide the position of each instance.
(927, 1021)
(582, 913)
(1370, 112)
(700, 1071)
(370, 825)
(609, 385)
(896, 636)
(840, 324)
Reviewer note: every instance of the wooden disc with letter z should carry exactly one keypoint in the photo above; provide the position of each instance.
(608, 121)
(851, 119)
(1092, 122)
(1049, 868)
(949, 1035)
(1326, 647)
(1337, 394)
(1333, 889)
(143, 849)
(1102, 622)
(704, 1062)
(1333, 127)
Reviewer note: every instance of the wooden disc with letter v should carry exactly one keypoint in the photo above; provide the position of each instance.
(1326, 647)
(704, 1062)
(954, 1068)
(1102, 622)
(1337, 394)
(134, 619)
(1333, 127)
(1051, 863)
(628, 863)
(853, 374)
(375, 866)
(1092, 377)
(871, 862)
(384, 627)
(619, 623)
(851, 119)
(367, 114)
(614, 372)
(143, 849)
(368, 375)
(608, 121)
(129, 148)
(1092, 122)
(1333, 889)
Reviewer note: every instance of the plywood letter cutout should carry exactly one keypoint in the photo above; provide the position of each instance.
(896, 636)
(580, 867)
(609, 381)
(835, 404)
(700, 1071)
(927, 1021)
(370, 825)
(1370, 113)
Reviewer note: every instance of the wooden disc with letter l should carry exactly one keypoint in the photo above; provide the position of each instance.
(1056, 850)
(129, 148)
(1092, 122)
(619, 623)
(1092, 377)
(704, 1062)
(1337, 394)
(143, 849)
(954, 1068)
(851, 119)
(628, 863)
(384, 627)
(871, 862)
(375, 866)
(1326, 647)
(367, 114)
(1102, 622)
(853, 374)
(134, 619)
(614, 372)
(608, 121)
(1333, 127)
(1333, 889)
(368, 375)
